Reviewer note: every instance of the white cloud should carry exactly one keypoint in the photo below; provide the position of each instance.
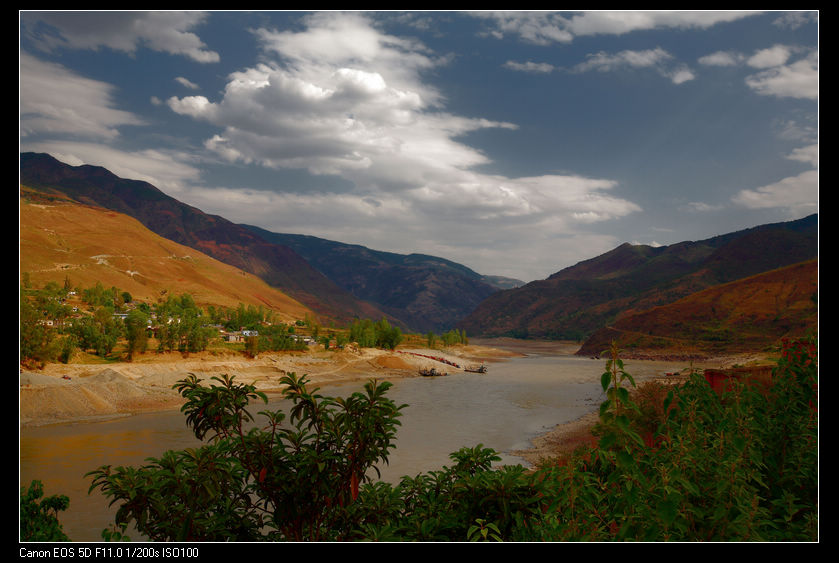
(722, 58)
(165, 31)
(349, 100)
(794, 20)
(778, 77)
(809, 154)
(350, 40)
(635, 59)
(55, 100)
(185, 82)
(799, 79)
(529, 66)
(544, 28)
(596, 23)
(657, 59)
(195, 106)
(771, 57)
(680, 75)
(702, 207)
(798, 193)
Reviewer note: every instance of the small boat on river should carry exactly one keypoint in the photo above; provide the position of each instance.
(480, 369)
(432, 373)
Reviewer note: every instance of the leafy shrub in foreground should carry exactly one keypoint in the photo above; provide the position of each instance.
(738, 466)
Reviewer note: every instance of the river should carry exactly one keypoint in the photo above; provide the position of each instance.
(503, 409)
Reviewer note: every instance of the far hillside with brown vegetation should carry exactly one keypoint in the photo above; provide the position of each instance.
(752, 314)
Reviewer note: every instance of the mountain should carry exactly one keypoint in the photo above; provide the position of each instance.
(749, 314)
(63, 239)
(279, 266)
(577, 301)
(425, 292)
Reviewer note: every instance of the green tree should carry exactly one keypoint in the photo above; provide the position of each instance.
(37, 342)
(387, 336)
(182, 325)
(431, 340)
(275, 482)
(136, 332)
(39, 515)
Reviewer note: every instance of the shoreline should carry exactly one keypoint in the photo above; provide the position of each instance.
(77, 393)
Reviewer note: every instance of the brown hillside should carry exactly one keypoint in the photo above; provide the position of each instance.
(746, 315)
(215, 236)
(62, 239)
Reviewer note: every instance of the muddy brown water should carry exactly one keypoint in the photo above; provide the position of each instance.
(503, 409)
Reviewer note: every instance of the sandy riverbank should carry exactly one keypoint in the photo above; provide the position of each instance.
(75, 392)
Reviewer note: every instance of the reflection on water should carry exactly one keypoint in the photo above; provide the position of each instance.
(502, 409)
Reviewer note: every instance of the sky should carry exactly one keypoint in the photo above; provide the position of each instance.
(515, 143)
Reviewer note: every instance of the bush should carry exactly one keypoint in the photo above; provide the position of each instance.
(735, 466)
(277, 482)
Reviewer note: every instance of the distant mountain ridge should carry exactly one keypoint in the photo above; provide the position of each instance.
(426, 292)
(215, 236)
(577, 301)
(336, 280)
(747, 314)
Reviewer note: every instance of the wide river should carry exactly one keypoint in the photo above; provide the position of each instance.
(503, 409)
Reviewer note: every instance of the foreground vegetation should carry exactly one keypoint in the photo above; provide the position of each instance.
(689, 465)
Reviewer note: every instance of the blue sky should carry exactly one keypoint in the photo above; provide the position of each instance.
(516, 143)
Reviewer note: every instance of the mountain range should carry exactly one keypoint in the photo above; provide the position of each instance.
(748, 314)
(636, 293)
(426, 292)
(338, 281)
(215, 236)
(578, 301)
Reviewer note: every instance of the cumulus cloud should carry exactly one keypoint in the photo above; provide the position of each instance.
(54, 100)
(342, 98)
(777, 76)
(799, 79)
(168, 32)
(771, 57)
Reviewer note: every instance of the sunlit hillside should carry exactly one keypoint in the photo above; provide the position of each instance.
(62, 240)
